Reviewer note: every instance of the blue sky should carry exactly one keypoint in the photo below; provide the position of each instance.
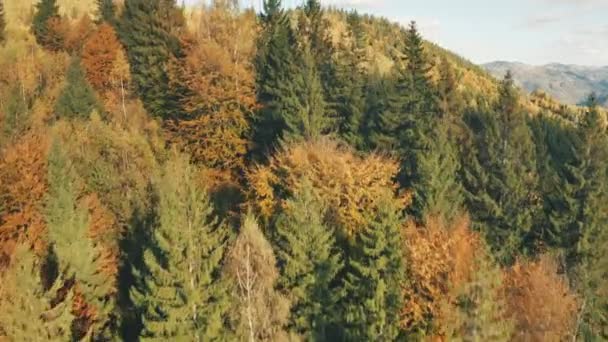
(529, 31)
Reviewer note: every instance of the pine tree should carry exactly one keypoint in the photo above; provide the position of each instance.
(27, 313)
(180, 296)
(106, 11)
(147, 36)
(77, 257)
(2, 23)
(78, 99)
(500, 177)
(308, 263)
(259, 311)
(289, 87)
(46, 10)
(374, 279)
(412, 124)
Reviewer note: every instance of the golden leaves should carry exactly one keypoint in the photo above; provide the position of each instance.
(349, 184)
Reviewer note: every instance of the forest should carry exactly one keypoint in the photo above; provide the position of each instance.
(221, 172)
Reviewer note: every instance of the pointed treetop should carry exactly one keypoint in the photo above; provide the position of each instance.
(271, 9)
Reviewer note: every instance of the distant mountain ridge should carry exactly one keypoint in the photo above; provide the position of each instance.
(569, 84)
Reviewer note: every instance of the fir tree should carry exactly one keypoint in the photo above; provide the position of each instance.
(2, 23)
(27, 312)
(412, 124)
(78, 99)
(374, 279)
(106, 11)
(46, 10)
(147, 36)
(77, 257)
(179, 296)
(309, 263)
(500, 176)
(289, 87)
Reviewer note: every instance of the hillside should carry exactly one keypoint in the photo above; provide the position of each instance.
(302, 174)
(569, 84)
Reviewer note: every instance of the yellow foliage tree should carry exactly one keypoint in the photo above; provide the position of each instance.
(349, 184)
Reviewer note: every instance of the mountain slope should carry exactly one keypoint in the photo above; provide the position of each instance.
(567, 83)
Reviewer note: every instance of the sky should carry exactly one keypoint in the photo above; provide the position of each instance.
(530, 31)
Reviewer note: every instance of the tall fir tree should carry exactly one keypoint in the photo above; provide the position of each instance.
(500, 176)
(78, 259)
(106, 11)
(413, 125)
(78, 99)
(45, 11)
(374, 279)
(147, 36)
(28, 312)
(308, 263)
(289, 88)
(180, 296)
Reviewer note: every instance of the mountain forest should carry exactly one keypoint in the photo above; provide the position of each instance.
(223, 173)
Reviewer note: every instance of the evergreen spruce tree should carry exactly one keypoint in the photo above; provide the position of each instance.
(412, 125)
(77, 257)
(308, 263)
(146, 34)
(501, 178)
(106, 11)
(374, 280)
(27, 312)
(45, 11)
(2, 23)
(78, 99)
(289, 88)
(180, 296)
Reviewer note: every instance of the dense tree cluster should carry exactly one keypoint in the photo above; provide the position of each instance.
(216, 174)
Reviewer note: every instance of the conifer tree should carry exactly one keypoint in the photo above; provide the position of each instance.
(179, 295)
(78, 259)
(78, 99)
(308, 263)
(289, 87)
(27, 313)
(2, 23)
(46, 10)
(147, 36)
(374, 279)
(501, 178)
(412, 124)
(106, 11)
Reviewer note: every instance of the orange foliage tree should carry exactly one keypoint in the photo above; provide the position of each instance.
(22, 189)
(349, 184)
(541, 301)
(439, 259)
(217, 74)
(99, 55)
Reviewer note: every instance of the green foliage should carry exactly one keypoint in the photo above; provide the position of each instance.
(147, 36)
(374, 279)
(45, 11)
(500, 176)
(106, 11)
(27, 312)
(78, 99)
(180, 297)
(308, 262)
(77, 257)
